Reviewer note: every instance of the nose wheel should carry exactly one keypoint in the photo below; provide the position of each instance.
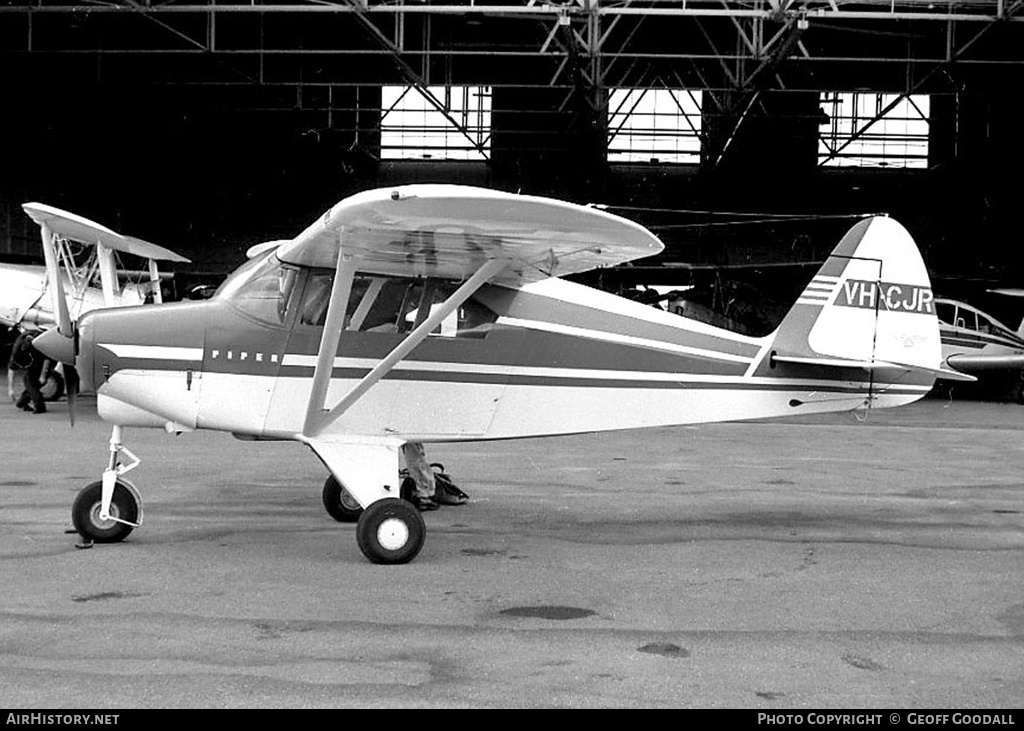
(122, 516)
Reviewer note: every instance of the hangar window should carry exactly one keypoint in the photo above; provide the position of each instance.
(654, 125)
(870, 129)
(435, 123)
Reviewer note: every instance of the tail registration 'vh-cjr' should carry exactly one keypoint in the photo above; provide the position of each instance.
(887, 296)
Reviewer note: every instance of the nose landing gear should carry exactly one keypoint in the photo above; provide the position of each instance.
(107, 510)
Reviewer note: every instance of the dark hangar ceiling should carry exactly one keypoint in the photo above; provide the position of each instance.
(898, 45)
(240, 120)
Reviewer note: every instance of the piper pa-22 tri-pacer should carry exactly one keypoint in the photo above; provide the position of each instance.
(435, 313)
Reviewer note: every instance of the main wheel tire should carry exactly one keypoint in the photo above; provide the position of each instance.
(85, 513)
(339, 502)
(390, 531)
(53, 389)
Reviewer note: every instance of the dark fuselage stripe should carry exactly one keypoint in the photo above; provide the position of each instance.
(566, 381)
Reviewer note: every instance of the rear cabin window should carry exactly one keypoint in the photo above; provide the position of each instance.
(395, 305)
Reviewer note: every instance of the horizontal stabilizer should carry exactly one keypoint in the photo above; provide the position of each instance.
(963, 362)
(873, 365)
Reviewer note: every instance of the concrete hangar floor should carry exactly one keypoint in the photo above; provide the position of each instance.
(824, 562)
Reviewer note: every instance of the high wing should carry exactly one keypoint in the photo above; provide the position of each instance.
(472, 235)
(450, 231)
(75, 227)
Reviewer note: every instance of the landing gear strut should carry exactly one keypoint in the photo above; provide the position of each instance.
(107, 510)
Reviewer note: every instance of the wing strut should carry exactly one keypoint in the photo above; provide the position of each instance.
(318, 417)
(60, 304)
(154, 281)
(108, 273)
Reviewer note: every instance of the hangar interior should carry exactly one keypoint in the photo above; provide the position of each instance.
(747, 135)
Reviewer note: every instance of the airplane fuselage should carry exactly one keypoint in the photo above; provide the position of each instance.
(552, 357)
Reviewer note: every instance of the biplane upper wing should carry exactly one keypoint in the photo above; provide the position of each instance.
(450, 231)
(80, 229)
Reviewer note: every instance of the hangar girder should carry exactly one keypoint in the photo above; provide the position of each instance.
(607, 29)
(731, 50)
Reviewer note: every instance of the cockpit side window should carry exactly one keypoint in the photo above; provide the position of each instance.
(316, 298)
(985, 325)
(261, 288)
(394, 305)
(966, 318)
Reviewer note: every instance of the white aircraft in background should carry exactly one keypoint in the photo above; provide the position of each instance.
(28, 301)
(977, 343)
(434, 313)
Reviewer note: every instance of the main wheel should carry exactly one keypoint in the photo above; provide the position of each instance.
(85, 513)
(390, 531)
(339, 502)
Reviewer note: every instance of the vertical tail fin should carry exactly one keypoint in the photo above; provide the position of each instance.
(869, 306)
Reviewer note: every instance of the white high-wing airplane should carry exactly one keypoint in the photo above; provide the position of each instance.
(435, 313)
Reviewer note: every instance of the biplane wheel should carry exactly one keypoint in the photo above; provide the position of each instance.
(390, 531)
(339, 502)
(85, 513)
(53, 389)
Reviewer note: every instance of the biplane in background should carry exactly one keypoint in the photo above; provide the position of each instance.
(82, 256)
(436, 313)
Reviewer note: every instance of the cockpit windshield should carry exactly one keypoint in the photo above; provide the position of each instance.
(261, 287)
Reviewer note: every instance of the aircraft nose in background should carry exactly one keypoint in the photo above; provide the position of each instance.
(55, 345)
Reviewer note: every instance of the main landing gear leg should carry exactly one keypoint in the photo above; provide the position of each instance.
(365, 488)
(107, 510)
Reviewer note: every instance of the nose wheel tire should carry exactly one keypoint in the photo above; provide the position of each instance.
(390, 531)
(85, 513)
(339, 502)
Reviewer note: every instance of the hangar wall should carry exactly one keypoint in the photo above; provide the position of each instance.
(211, 168)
